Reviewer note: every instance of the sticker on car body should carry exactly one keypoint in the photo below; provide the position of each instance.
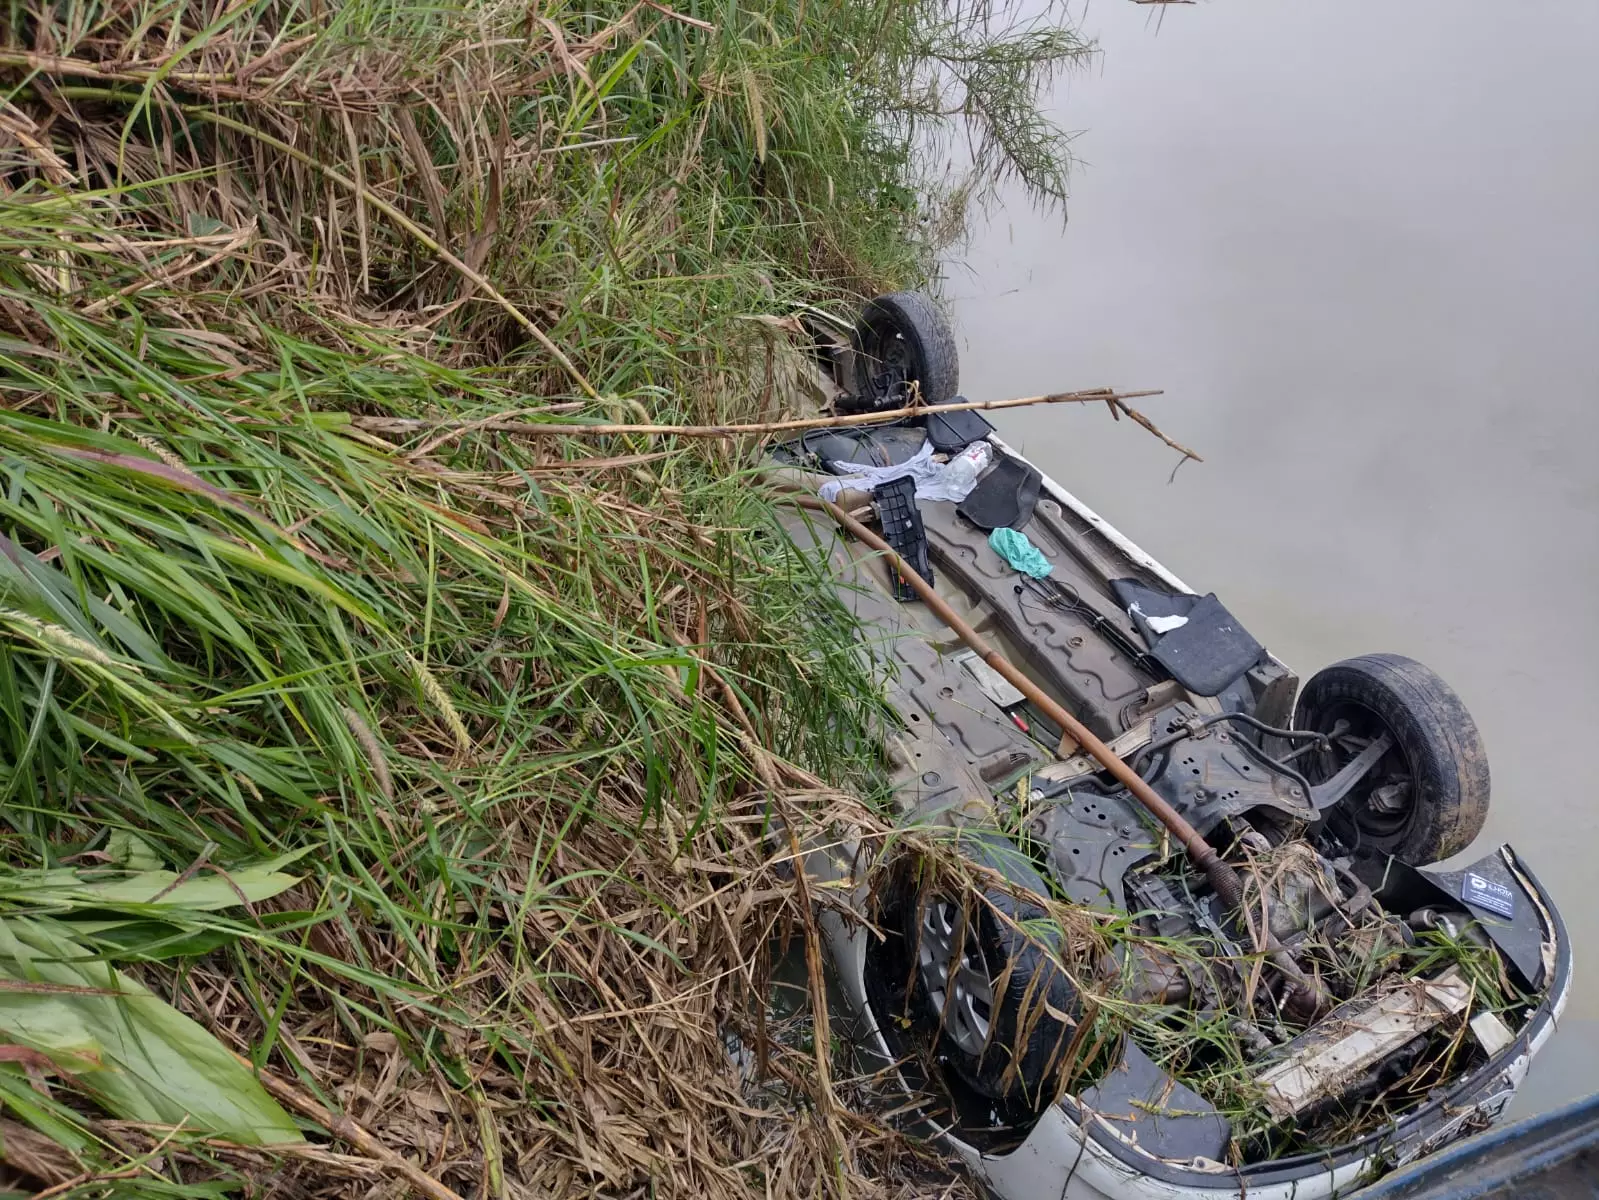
(1485, 893)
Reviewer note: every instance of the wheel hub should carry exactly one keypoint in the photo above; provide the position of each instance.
(956, 980)
(1389, 799)
(1386, 806)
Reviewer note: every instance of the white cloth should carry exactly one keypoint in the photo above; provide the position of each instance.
(1158, 624)
(952, 480)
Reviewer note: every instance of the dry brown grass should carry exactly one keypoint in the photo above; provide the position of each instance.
(529, 703)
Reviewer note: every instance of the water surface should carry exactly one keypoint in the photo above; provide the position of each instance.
(1356, 243)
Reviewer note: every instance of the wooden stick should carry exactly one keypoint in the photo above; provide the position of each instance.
(537, 429)
(1201, 850)
(1117, 406)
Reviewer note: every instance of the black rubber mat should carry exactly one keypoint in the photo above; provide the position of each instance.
(1207, 651)
(952, 432)
(1005, 497)
(884, 446)
(861, 446)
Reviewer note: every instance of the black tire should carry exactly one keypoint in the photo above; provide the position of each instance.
(1427, 798)
(1018, 1059)
(904, 337)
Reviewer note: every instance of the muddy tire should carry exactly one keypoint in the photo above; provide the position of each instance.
(983, 992)
(1427, 798)
(905, 337)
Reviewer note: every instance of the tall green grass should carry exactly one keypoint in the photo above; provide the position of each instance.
(521, 706)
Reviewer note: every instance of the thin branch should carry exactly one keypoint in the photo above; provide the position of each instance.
(1116, 404)
(345, 1128)
(187, 874)
(540, 429)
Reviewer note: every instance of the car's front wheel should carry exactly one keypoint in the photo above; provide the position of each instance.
(1427, 797)
(983, 991)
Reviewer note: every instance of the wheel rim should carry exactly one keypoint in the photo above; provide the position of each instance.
(887, 362)
(955, 977)
(1383, 804)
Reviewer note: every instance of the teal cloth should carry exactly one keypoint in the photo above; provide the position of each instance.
(1015, 549)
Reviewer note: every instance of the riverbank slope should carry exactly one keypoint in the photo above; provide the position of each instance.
(416, 758)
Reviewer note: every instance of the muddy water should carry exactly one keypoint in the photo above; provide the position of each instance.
(1357, 245)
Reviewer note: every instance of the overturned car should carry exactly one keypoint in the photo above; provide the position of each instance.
(1210, 949)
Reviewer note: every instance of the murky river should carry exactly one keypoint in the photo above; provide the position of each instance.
(1357, 244)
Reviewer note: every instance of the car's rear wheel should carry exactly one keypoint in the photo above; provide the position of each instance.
(1427, 797)
(901, 339)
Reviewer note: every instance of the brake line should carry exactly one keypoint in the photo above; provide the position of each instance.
(1223, 879)
(1068, 599)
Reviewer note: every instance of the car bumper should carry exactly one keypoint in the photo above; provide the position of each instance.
(1074, 1154)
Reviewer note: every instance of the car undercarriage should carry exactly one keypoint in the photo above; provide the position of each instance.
(1272, 985)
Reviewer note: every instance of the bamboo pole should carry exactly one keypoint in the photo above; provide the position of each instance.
(1117, 401)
